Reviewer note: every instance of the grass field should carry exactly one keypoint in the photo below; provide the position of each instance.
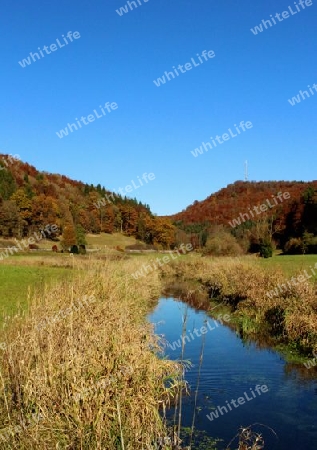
(60, 367)
(16, 281)
(25, 271)
(291, 264)
(93, 241)
(80, 368)
(110, 240)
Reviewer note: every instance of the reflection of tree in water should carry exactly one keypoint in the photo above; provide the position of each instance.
(301, 373)
(195, 296)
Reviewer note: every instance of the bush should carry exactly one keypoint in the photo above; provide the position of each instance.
(312, 246)
(74, 249)
(294, 247)
(266, 250)
(300, 246)
(309, 243)
(222, 243)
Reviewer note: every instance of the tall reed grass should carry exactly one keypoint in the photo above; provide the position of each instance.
(290, 315)
(91, 376)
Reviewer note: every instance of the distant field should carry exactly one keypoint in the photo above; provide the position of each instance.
(93, 241)
(111, 240)
(291, 264)
(15, 281)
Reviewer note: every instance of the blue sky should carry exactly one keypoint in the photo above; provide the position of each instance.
(155, 128)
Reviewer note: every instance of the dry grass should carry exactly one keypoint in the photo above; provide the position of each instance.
(49, 260)
(83, 363)
(242, 283)
(109, 240)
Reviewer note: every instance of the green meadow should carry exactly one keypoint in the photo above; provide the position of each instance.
(17, 281)
(291, 264)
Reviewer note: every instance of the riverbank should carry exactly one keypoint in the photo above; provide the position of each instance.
(91, 376)
(224, 368)
(255, 299)
(82, 361)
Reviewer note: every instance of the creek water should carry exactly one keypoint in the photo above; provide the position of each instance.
(232, 368)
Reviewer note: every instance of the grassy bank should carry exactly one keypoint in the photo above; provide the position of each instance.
(262, 300)
(289, 264)
(19, 281)
(79, 365)
(79, 370)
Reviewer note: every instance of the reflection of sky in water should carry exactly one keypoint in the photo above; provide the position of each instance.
(230, 368)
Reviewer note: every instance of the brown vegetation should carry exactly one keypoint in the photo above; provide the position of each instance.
(84, 364)
(290, 315)
(289, 224)
(30, 200)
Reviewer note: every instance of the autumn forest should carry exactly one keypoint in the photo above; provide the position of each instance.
(221, 224)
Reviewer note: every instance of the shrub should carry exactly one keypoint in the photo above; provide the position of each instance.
(266, 249)
(299, 246)
(74, 249)
(222, 243)
(294, 247)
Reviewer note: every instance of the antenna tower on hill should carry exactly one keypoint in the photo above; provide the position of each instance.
(246, 176)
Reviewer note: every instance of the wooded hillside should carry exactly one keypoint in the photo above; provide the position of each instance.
(236, 209)
(240, 217)
(30, 200)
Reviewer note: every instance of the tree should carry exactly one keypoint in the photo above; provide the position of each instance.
(129, 220)
(10, 222)
(107, 217)
(80, 235)
(266, 249)
(7, 184)
(162, 232)
(68, 236)
(24, 206)
(203, 236)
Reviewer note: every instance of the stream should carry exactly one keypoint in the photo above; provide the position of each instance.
(277, 398)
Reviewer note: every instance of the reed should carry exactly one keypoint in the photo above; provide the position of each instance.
(84, 363)
(290, 315)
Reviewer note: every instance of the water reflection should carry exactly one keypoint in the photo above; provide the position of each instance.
(232, 366)
(200, 300)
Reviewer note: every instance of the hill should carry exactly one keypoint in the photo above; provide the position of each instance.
(283, 213)
(278, 210)
(31, 200)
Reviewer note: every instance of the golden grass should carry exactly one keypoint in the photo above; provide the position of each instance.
(84, 364)
(110, 240)
(291, 314)
(80, 367)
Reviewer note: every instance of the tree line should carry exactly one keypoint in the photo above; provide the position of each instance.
(29, 200)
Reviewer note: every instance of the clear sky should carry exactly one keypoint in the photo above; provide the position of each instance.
(154, 129)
